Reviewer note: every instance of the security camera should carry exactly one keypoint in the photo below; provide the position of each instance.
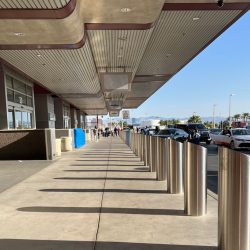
(220, 3)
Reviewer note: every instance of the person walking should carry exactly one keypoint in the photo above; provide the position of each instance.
(196, 137)
(115, 131)
(95, 133)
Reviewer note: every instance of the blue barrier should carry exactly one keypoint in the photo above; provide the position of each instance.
(79, 135)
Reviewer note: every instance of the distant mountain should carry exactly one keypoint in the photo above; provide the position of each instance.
(204, 119)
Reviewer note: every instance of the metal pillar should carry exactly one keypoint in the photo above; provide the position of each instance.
(149, 153)
(162, 164)
(195, 190)
(234, 200)
(174, 153)
(154, 154)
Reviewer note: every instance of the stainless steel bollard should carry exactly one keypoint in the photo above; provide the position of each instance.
(154, 154)
(162, 166)
(195, 188)
(145, 148)
(149, 152)
(174, 153)
(234, 200)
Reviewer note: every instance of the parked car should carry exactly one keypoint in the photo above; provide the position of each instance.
(248, 127)
(173, 133)
(215, 131)
(234, 138)
(203, 131)
(150, 131)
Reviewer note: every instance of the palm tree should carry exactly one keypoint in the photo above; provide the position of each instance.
(195, 119)
(245, 116)
(237, 117)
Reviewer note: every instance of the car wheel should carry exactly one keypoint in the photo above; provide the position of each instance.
(208, 142)
(232, 146)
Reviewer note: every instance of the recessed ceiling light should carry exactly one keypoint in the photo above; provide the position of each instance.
(39, 55)
(196, 18)
(19, 34)
(125, 10)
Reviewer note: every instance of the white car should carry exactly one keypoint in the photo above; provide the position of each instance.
(234, 138)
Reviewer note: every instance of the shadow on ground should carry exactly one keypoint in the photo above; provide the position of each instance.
(106, 210)
(13, 244)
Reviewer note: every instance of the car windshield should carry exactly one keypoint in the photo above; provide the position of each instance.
(241, 132)
(181, 132)
(166, 132)
(196, 126)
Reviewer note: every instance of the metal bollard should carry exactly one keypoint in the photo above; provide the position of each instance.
(154, 154)
(234, 200)
(161, 166)
(149, 152)
(195, 188)
(174, 155)
(145, 148)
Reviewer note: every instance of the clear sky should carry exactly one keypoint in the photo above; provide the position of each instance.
(221, 69)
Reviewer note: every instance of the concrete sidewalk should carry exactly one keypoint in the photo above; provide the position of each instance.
(100, 197)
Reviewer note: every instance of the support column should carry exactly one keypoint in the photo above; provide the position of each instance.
(3, 106)
(73, 116)
(58, 112)
(45, 111)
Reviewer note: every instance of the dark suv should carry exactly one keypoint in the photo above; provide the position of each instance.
(204, 132)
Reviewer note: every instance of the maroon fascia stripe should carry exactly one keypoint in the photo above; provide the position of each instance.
(205, 6)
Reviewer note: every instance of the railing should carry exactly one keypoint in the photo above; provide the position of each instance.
(185, 165)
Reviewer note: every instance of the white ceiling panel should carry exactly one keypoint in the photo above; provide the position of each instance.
(144, 89)
(133, 103)
(33, 4)
(118, 50)
(177, 38)
(61, 71)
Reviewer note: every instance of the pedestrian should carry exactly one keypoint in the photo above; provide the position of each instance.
(94, 132)
(157, 130)
(196, 137)
(115, 131)
(137, 130)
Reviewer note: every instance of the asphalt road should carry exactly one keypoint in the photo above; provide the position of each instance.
(212, 170)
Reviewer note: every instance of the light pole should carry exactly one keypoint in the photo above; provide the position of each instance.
(214, 115)
(230, 104)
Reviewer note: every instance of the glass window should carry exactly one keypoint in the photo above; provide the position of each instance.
(19, 86)
(10, 95)
(29, 120)
(11, 118)
(20, 98)
(18, 119)
(28, 90)
(9, 82)
(25, 119)
(29, 101)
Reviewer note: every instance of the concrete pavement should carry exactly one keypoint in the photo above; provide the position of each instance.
(100, 197)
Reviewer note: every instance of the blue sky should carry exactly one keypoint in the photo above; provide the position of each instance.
(221, 69)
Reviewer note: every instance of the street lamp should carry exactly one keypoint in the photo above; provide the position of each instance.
(230, 104)
(214, 115)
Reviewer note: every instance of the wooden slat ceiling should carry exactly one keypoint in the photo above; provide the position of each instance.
(152, 55)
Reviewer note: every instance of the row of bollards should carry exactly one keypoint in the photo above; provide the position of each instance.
(184, 172)
(184, 167)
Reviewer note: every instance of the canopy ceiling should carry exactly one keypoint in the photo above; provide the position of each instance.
(105, 55)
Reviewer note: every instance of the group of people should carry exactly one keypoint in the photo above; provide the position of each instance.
(105, 133)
